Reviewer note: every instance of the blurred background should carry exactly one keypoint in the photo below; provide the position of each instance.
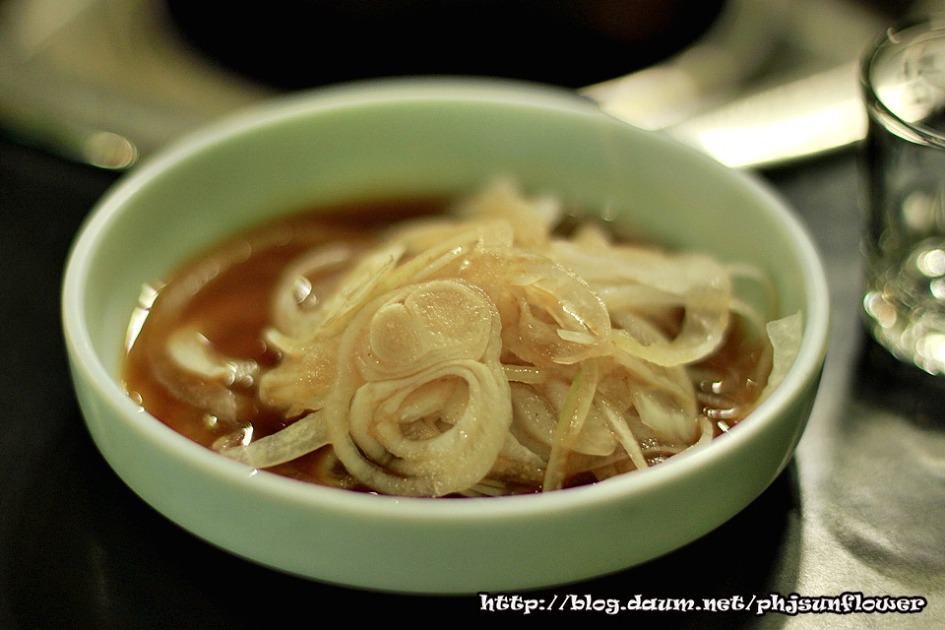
(108, 81)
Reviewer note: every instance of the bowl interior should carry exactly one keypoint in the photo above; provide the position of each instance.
(399, 138)
(388, 140)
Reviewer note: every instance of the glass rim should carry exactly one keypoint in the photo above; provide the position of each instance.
(877, 109)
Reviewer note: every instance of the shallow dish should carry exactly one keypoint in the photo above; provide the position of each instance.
(399, 137)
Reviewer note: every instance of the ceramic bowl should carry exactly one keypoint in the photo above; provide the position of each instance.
(434, 136)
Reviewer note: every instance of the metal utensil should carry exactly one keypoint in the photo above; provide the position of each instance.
(787, 90)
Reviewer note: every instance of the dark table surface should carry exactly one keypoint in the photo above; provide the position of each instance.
(860, 509)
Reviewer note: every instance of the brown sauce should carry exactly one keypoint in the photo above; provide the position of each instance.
(226, 292)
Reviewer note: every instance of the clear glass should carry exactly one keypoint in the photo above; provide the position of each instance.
(903, 82)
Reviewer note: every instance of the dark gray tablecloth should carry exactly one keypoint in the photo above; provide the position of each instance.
(859, 510)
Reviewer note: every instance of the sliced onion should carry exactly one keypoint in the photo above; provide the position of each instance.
(378, 451)
(482, 353)
(299, 438)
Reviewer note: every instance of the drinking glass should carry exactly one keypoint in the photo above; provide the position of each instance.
(903, 83)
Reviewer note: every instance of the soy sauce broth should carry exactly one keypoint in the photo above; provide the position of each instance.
(226, 293)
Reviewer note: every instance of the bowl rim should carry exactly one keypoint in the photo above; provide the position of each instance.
(114, 204)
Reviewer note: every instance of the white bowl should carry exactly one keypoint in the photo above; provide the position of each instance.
(431, 136)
